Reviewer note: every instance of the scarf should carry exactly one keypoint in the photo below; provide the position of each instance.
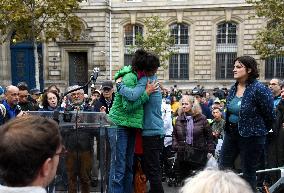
(189, 130)
(140, 74)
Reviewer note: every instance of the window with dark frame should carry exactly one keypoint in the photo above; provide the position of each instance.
(128, 59)
(179, 63)
(226, 50)
(274, 67)
(180, 33)
(130, 33)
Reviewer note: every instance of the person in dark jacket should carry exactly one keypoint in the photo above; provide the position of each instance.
(106, 98)
(249, 117)
(24, 99)
(280, 129)
(79, 146)
(191, 130)
(276, 151)
(197, 93)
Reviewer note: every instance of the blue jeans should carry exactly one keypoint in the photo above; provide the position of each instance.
(122, 152)
(250, 150)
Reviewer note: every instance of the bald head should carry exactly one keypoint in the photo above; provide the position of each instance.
(12, 95)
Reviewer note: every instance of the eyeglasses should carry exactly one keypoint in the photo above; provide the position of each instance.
(63, 152)
(273, 84)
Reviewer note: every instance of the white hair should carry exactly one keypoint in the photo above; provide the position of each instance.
(216, 181)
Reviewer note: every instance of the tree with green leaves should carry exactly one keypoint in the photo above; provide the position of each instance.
(36, 21)
(156, 39)
(270, 40)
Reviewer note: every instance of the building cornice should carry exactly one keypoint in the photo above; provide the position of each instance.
(77, 43)
(145, 5)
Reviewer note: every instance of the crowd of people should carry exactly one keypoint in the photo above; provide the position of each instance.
(152, 125)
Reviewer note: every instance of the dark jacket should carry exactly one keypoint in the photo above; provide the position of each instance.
(28, 106)
(277, 144)
(50, 109)
(102, 102)
(256, 113)
(202, 133)
(85, 136)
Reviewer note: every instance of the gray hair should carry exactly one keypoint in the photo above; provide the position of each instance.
(196, 108)
(216, 181)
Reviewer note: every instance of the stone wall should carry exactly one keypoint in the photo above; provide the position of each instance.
(201, 16)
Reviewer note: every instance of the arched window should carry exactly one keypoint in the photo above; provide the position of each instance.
(180, 33)
(274, 66)
(130, 32)
(226, 49)
(179, 62)
(227, 33)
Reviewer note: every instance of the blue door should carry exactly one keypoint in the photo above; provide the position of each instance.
(23, 64)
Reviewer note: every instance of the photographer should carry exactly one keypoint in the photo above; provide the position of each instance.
(218, 93)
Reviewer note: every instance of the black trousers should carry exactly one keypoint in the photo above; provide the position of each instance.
(152, 149)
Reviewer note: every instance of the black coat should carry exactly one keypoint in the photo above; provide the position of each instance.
(102, 102)
(280, 134)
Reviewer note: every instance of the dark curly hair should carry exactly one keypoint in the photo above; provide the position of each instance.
(145, 61)
(249, 62)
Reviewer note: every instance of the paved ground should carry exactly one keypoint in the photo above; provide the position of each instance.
(168, 189)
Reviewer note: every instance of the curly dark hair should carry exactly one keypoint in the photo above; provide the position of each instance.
(145, 61)
(45, 103)
(249, 62)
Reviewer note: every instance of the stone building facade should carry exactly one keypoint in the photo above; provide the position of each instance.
(209, 35)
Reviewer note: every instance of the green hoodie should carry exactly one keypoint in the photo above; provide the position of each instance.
(123, 112)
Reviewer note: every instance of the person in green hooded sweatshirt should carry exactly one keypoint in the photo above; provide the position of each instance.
(128, 116)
